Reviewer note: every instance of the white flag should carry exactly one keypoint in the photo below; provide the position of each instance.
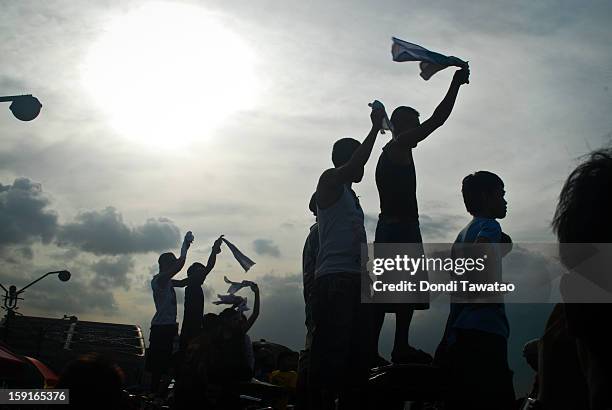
(236, 301)
(242, 259)
(236, 286)
(431, 62)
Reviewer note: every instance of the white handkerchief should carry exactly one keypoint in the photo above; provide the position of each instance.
(236, 301)
(431, 62)
(236, 286)
(242, 259)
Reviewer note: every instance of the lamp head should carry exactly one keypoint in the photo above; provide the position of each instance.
(64, 275)
(25, 107)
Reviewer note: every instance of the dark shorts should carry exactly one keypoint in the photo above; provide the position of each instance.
(338, 356)
(161, 341)
(400, 232)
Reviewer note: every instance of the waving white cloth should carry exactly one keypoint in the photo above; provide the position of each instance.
(431, 62)
(236, 286)
(242, 259)
(236, 301)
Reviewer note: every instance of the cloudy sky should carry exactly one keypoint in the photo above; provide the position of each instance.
(218, 117)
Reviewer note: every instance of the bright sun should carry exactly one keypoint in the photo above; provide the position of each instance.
(166, 74)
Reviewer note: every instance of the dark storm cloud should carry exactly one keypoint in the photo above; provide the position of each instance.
(266, 247)
(113, 272)
(25, 216)
(105, 233)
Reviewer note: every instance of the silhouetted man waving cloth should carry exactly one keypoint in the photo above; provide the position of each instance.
(339, 353)
(398, 221)
(163, 326)
(194, 296)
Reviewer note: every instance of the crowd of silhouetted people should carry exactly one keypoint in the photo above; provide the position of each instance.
(217, 366)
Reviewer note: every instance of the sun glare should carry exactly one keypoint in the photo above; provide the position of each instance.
(166, 74)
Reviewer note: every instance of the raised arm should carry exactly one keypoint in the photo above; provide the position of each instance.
(255, 313)
(332, 179)
(180, 262)
(410, 138)
(212, 259)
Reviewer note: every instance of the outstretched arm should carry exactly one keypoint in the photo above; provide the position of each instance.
(255, 313)
(410, 138)
(212, 259)
(332, 179)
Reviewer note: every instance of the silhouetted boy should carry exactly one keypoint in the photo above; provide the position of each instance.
(339, 355)
(194, 296)
(398, 221)
(163, 326)
(477, 333)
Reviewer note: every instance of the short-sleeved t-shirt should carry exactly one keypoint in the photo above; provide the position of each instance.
(164, 297)
(485, 317)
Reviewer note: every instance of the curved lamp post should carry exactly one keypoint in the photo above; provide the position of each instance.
(24, 107)
(11, 296)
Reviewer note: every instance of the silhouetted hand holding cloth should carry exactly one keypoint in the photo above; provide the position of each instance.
(236, 301)
(431, 62)
(242, 259)
(236, 286)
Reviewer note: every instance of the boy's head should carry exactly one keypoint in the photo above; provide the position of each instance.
(195, 273)
(166, 261)
(210, 322)
(231, 319)
(404, 119)
(483, 195)
(343, 151)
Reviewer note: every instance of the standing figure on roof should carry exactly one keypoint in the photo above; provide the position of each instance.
(398, 221)
(164, 327)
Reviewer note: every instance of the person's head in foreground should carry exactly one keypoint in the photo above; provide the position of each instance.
(584, 211)
(195, 274)
(232, 319)
(210, 321)
(166, 261)
(404, 119)
(342, 152)
(94, 382)
(483, 195)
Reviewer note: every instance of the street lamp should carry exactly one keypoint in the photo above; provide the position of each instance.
(11, 295)
(24, 107)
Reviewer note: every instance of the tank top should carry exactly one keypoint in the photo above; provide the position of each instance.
(341, 234)
(396, 188)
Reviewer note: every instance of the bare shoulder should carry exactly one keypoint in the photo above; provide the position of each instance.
(328, 190)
